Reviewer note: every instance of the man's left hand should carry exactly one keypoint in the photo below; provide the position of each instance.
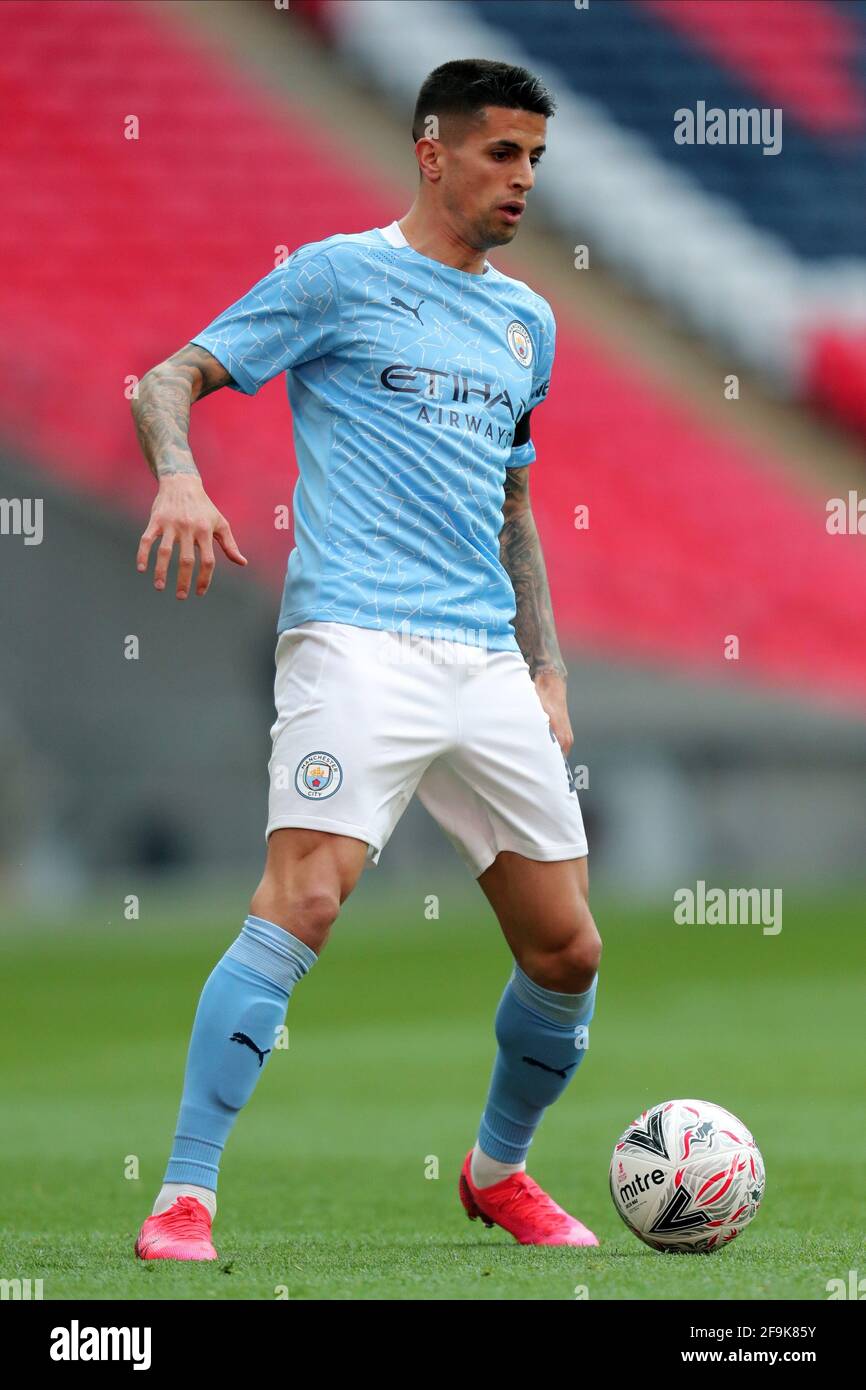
(551, 692)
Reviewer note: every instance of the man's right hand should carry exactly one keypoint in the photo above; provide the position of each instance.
(183, 513)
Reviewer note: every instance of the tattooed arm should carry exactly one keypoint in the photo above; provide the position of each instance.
(520, 553)
(182, 511)
(161, 412)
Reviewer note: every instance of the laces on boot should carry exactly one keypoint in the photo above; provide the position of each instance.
(188, 1217)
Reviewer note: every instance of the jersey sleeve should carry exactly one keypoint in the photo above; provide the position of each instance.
(289, 317)
(523, 449)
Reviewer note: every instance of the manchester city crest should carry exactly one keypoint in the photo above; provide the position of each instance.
(318, 775)
(520, 342)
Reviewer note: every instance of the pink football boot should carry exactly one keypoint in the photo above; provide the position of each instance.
(522, 1208)
(180, 1233)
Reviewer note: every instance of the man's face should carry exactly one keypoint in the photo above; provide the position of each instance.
(488, 172)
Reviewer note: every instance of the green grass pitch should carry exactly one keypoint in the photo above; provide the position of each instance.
(324, 1190)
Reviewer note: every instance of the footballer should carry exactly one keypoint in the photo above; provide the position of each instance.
(416, 647)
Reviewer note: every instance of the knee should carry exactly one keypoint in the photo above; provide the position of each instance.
(308, 912)
(316, 908)
(569, 967)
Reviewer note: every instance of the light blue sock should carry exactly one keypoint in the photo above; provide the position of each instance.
(242, 1006)
(543, 1036)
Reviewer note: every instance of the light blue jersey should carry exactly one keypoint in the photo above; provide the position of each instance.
(406, 379)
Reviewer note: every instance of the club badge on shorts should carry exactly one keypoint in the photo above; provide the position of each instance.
(520, 342)
(318, 775)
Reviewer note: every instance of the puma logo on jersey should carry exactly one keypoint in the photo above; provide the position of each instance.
(398, 304)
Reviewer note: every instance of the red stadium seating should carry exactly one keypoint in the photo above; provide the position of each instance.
(118, 251)
(837, 373)
(800, 64)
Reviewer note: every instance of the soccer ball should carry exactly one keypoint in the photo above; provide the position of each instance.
(686, 1177)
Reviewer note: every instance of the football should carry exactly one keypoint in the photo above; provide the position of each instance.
(686, 1177)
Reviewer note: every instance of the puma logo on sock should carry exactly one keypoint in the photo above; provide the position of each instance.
(560, 1071)
(248, 1042)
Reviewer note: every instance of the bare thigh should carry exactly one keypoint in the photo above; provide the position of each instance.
(308, 876)
(543, 910)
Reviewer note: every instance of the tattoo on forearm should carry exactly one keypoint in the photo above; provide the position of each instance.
(161, 411)
(521, 555)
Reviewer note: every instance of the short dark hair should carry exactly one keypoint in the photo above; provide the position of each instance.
(464, 87)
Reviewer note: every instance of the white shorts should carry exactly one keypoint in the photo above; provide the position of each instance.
(366, 718)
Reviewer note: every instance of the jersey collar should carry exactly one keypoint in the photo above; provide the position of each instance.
(394, 236)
